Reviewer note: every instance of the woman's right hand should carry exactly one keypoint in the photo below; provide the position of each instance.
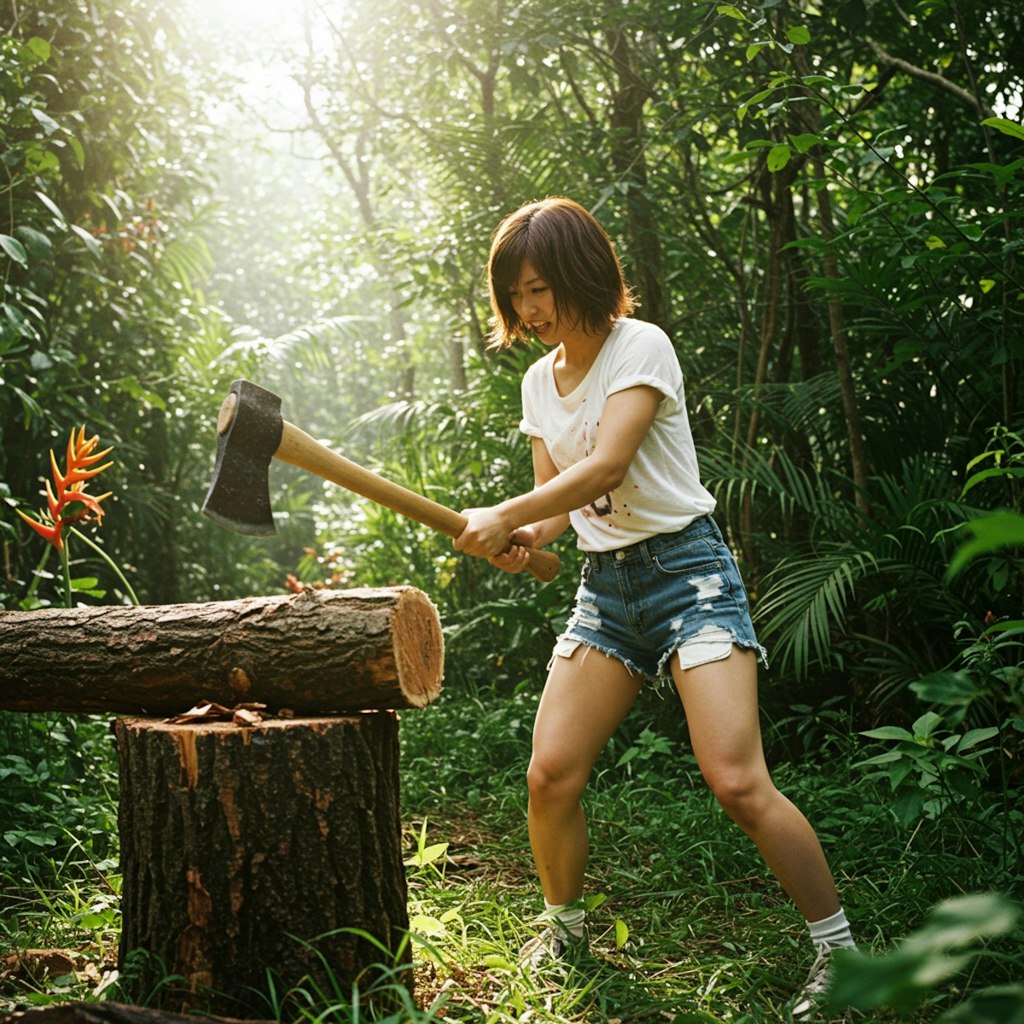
(516, 558)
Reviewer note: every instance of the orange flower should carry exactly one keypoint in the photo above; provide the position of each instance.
(70, 490)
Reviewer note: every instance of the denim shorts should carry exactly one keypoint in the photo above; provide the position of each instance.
(675, 592)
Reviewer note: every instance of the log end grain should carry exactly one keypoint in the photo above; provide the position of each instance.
(418, 647)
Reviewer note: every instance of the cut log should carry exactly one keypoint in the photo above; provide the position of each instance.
(247, 850)
(317, 652)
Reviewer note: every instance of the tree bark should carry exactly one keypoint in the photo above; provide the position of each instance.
(313, 653)
(247, 850)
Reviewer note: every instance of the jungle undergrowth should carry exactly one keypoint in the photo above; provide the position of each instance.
(686, 923)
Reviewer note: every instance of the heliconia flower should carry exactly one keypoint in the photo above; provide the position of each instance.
(70, 490)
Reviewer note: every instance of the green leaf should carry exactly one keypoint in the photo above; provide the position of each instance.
(1012, 128)
(95, 920)
(48, 124)
(39, 48)
(888, 758)
(90, 242)
(989, 533)
(621, 933)
(130, 384)
(949, 688)
(798, 35)
(998, 1004)
(427, 855)
(16, 837)
(778, 157)
(754, 49)
(14, 249)
(976, 736)
(52, 207)
(36, 243)
(866, 982)
(889, 732)
(731, 11)
(925, 725)
(805, 142)
(76, 148)
(497, 961)
(987, 284)
(957, 923)
(431, 927)
(986, 474)
(741, 110)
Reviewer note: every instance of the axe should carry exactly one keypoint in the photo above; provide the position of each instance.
(251, 432)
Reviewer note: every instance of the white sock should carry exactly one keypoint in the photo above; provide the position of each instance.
(831, 932)
(567, 916)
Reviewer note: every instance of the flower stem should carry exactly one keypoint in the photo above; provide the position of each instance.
(65, 561)
(113, 565)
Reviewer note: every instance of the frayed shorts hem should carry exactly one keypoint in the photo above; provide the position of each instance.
(566, 647)
(742, 643)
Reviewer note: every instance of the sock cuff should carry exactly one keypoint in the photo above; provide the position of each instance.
(569, 917)
(831, 931)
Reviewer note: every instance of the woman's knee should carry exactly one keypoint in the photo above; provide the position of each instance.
(744, 795)
(550, 781)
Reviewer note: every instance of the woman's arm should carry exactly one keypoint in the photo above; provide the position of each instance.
(546, 530)
(627, 417)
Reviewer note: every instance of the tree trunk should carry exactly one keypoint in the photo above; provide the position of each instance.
(837, 331)
(247, 850)
(629, 162)
(317, 652)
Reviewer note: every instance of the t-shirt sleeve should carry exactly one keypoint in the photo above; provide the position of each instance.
(530, 423)
(646, 358)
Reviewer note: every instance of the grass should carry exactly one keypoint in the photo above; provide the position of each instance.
(686, 924)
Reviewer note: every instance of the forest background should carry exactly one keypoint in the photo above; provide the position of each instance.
(820, 203)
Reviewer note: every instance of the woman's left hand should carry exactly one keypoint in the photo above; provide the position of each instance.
(487, 533)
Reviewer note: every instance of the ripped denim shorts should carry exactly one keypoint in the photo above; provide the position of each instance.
(675, 592)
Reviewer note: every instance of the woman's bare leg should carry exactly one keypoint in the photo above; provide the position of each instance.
(720, 700)
(585, 699)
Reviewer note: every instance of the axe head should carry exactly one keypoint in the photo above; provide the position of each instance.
(249, 432)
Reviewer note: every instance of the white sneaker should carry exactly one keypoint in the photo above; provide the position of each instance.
(551, 946)
(815, 986)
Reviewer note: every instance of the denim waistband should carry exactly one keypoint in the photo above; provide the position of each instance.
(645, 550)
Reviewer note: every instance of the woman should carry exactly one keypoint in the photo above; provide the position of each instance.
(660, 592)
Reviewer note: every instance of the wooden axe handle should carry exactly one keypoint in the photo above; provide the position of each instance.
(298, 448)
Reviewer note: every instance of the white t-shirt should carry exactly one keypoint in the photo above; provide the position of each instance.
(661, 492)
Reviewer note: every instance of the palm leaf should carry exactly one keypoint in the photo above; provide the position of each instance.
(806, 602)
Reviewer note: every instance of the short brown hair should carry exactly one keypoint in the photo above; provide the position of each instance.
(571, 252)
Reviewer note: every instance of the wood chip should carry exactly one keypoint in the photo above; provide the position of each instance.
(248, 714)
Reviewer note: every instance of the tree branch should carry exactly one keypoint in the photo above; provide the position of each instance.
(932, 78)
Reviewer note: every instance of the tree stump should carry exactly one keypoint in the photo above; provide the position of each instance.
(243, 850)
(316, 652)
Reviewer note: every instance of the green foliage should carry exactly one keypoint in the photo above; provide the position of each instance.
(931, 769)
(59, 884)
(943, 947)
